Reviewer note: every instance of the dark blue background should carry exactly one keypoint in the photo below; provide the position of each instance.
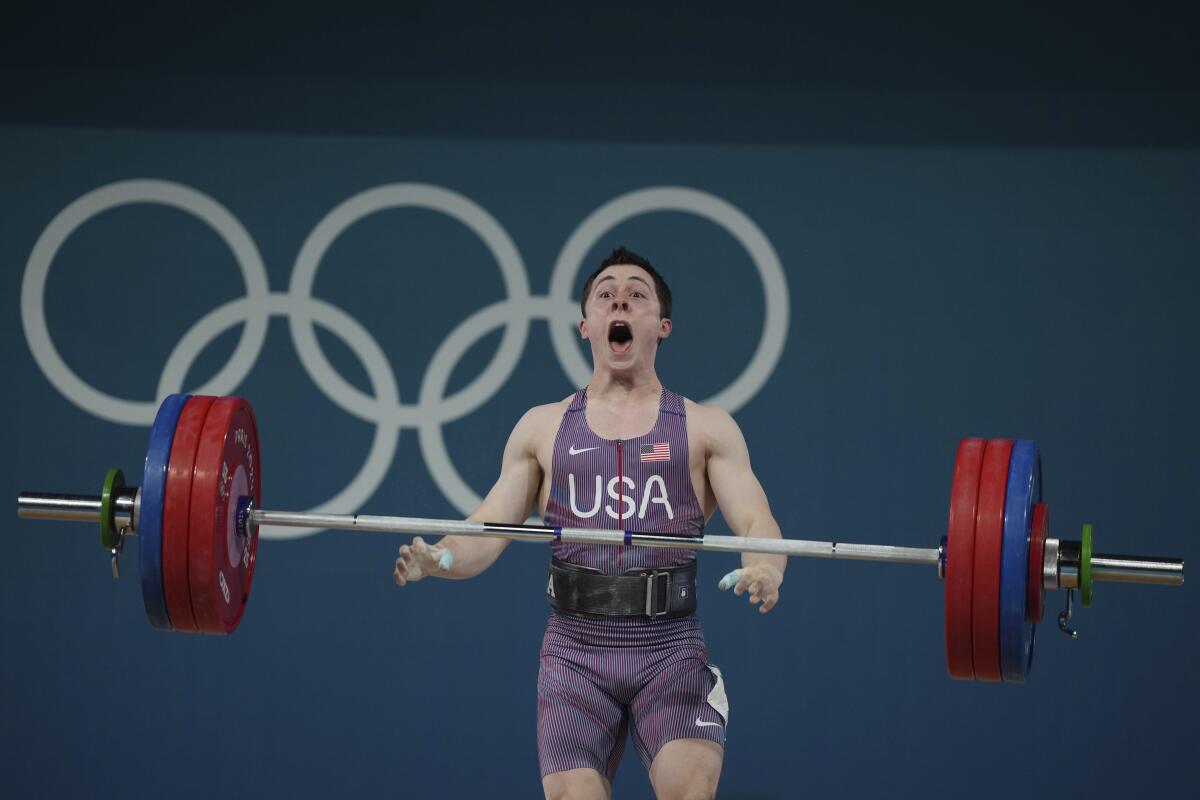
(973, 246)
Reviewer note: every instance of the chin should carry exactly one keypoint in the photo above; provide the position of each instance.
(624, 362)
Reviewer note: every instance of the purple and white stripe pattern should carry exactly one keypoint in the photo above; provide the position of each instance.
(595, 687)
(601, 677)
(654, 496)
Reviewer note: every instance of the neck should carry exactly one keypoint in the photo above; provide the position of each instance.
(624, 387)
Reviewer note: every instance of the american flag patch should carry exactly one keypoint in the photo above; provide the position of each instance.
(659, 451)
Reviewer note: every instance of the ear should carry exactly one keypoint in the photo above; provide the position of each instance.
(583, 331)
(664, 328)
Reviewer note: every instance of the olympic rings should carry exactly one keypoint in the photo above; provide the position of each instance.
(33, 291)
(433, 409)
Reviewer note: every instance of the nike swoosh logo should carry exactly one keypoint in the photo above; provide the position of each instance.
(575, 452)
(702, 724)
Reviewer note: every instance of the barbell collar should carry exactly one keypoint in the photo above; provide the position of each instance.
(1050, 559)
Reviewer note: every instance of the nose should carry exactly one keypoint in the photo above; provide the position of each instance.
(620, 305)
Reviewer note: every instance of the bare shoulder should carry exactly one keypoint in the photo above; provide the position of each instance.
(540, 421)
(707, 414)
(712, 424)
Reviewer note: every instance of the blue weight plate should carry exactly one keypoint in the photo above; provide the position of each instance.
(1024, 490)
(154, 487)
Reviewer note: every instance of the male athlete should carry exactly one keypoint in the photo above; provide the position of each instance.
(623, 648)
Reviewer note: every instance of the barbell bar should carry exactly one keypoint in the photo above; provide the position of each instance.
(1111, 568)
(198, 511)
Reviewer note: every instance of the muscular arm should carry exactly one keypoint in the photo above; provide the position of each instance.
(743, 502)
(509, 501)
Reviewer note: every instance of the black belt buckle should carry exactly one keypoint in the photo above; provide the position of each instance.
(651, 594)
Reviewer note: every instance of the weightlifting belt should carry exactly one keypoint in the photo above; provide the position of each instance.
(640, 592)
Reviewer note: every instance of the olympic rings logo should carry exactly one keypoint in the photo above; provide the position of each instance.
(433, 409)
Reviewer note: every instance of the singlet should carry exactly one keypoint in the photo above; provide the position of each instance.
(640, 484)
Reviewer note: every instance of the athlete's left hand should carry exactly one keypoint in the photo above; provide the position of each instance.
(761, 580)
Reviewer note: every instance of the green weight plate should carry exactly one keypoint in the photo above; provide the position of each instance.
(1085, 567)
(114, 480)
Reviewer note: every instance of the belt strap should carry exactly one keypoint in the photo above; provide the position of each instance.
(643, 592)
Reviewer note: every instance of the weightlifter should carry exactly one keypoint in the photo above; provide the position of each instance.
(623, 649)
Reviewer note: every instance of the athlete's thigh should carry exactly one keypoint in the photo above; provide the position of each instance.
(579, 725)
(685, 700)
(688, 768)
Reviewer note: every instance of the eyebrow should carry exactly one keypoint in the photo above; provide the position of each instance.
(631, 277)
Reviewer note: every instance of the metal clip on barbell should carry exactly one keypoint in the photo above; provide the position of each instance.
(198, 512)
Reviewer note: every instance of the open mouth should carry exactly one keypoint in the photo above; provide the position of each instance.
(620, 337)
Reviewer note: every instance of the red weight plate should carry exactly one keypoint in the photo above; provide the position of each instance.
(960, 557)
(1035, 595)
(177, 503)
(221, 563)
(989, 542)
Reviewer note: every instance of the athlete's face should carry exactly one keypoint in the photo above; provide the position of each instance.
(623, 322)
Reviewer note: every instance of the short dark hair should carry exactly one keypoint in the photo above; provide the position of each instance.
(622, 255)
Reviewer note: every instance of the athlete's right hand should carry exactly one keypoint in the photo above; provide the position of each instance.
(419, 559)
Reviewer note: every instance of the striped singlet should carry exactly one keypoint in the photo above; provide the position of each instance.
(604, 678)
(641, 484)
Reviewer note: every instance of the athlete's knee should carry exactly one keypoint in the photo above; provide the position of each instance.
(576, 784)
(687, 769)
(695, 788)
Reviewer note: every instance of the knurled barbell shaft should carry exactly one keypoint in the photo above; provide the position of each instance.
(86, 508)
(545, 533)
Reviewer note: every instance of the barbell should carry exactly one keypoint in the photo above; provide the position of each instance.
(199, 507)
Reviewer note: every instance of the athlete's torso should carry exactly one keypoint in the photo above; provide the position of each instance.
(643, 483)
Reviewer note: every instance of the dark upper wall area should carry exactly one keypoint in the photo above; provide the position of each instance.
(775, 73)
